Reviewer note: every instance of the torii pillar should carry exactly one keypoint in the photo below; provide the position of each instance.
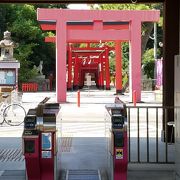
(69, 84)
(118, 66)
(76, 73)
(61, 51)
(135, 59)
(107, 68)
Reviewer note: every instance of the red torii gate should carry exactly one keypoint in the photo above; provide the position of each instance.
(51, 25)
(133, 34)
(88, 59)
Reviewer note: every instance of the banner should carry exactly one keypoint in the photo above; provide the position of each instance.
(159, 73)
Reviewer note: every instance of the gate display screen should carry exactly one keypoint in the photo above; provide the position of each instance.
(46, 141)
(30, 122)
(117, 122)
(118, 139)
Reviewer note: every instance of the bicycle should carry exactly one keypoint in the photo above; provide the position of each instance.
(11, 114)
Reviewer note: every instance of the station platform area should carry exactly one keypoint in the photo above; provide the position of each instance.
(82, 144)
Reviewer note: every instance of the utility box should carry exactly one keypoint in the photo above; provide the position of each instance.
(177, 115)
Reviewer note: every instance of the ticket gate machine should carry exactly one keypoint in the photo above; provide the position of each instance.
(116, 127)
(40, 143)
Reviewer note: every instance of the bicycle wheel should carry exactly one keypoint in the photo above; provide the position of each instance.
(14, 114)
(2, 106)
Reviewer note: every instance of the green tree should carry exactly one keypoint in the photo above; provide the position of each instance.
(147, 27)
(149, 63)
(25, 31)
(21, 20)
(147, 43)
(4, 15)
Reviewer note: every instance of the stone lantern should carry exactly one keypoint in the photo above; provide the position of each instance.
(8, 64)
(7, 47)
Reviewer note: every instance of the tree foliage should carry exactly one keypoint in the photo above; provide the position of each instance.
(147, 43)
(149, 63)
(21, 21)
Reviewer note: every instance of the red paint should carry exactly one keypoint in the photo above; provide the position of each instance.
(76, 72)
(84, 62)
(94, 35)
(64, 35)
(107, 72)
(102, 71)
(78, 98)
(79, 40)
(120, 165)
(69, 85)
(32, 160)
(61, 61)
(118, 66)
(29, 87)
(134, 97)
(47, 26)
(135, 60)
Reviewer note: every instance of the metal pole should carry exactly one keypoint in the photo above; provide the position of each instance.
(155, 51)
(78, 98)
(155, 41)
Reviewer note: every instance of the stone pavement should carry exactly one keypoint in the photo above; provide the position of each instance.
(83, 138)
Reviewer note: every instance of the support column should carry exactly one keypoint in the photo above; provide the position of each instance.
(118, 52)
(80, 75)
(170, 49)
(76, 73)
(61, 61)
(82, 78)
(135, 59)
(107, 69)
(69, 68)
(101, 77)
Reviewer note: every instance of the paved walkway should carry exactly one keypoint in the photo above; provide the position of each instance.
(83, 142)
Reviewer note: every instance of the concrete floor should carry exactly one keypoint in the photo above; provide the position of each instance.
(83, 135)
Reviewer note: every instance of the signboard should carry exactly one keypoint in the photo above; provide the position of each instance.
(159, 72)
(7, 77)
(46, 154)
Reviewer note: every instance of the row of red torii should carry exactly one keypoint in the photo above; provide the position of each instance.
(88, 60)
(78, 26)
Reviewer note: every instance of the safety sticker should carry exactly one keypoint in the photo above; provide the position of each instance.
(119, 154)
(46, 154)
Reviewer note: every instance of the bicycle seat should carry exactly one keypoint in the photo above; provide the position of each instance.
(5, 95)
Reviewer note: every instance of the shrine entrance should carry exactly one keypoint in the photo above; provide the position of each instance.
(88, 66)
(92, 26)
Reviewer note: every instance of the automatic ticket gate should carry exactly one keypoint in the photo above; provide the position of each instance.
(40, 141)
(116, 128)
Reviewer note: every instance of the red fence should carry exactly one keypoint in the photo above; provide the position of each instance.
(33, 87)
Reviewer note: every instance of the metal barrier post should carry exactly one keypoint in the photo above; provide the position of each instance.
(78, 98)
